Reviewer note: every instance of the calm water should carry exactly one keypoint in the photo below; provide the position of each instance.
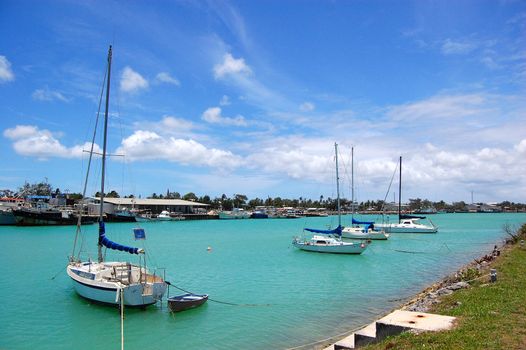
(301, 296)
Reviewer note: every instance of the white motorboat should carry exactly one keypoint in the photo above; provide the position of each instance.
(331, 242)
(116, 282)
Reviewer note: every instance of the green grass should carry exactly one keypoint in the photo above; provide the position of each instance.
(489, 316)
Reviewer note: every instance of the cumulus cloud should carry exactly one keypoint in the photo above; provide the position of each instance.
(131, 81)
(29, 140)
(164, 77)
(307, 107)
(452, 47)
(231, 66)
(521, 146)
(213, 115)
(6, 74)
(48, 95)
(148, 145)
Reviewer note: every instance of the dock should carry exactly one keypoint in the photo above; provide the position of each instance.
(395, 323)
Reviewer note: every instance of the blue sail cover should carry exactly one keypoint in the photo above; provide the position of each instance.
(103, 240)
(336, 231)
(405, 216)
(367, 224)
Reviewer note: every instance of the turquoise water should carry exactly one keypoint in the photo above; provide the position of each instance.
(302, 297)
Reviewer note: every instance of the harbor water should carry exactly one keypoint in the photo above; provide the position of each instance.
(283, 297)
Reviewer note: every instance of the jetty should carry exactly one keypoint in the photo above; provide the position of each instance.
(394, 323)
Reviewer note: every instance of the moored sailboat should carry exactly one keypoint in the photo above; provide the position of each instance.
(360, 229)
(332, 242)
(113, 282)
(407, 223)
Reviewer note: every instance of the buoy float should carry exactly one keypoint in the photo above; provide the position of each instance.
(209, 249)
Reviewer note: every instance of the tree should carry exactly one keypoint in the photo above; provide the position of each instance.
(190, 196)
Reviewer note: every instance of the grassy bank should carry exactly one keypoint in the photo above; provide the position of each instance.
(489, 315)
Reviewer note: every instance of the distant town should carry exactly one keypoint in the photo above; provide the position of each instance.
(45, 192)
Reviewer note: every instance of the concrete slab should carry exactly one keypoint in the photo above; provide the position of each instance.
(418, 320)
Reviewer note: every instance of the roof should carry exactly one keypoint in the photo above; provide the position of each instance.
(151, 201)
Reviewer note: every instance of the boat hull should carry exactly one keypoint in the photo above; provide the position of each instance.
(186, 302)
(359, 233)
(407, 229)
(106, 292)
(7, 217)
(28, 217)
(344, 248)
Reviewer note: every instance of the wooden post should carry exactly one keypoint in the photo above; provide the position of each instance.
(493, 275)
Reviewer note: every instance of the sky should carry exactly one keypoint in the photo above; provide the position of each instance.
(249, 97)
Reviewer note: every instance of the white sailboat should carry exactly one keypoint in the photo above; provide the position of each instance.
(407, 223)
(109, 281)
(331, 242)
(360, 229)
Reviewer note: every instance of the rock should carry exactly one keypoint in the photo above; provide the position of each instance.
(444, 291)
(459, 285)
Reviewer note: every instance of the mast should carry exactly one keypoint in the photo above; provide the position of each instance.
(352, 183)
(101, 213)
(400, 191)
(338, 185)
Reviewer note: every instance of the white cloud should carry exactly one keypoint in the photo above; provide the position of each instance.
(48, 95)
(131, 81)
(164, 77)
(307, 107)
(438, 107)
(29, 140)
(213, 115)
(231, 66)
(148, 145)
(521, 146)
(451, 47)
(6, 74)
(225, 101)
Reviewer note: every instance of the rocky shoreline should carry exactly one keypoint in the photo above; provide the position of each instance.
(478, 270)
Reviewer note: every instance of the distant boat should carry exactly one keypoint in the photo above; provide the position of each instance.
(407, 223)
(165, 215)
(121, 215)
(48, 216)
(186, 302)
(236, 213)
(360, 229)
(331, 242)
(113, 282)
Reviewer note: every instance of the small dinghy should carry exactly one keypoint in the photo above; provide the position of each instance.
(186, 301)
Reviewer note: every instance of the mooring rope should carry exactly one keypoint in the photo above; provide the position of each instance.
(215, 300)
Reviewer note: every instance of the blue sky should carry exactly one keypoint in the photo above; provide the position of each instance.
(250, 96)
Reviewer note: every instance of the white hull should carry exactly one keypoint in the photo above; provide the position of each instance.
(234, 215)
(97, 283)
(330, 246)
(359, 233)
(400, 228)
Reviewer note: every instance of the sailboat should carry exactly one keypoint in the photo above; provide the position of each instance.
(360, 229)
(113, 282)
(331, 241)
(407, 223)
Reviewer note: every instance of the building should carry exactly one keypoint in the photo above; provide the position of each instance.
(155, 206)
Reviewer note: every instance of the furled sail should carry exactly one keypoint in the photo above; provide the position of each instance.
(103, 240)
(368, 224)
(405, 216)
(336, 231)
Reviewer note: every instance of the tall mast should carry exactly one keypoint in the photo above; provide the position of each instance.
(101, 213)
(400, 191)
(337, 185)
(352, 182)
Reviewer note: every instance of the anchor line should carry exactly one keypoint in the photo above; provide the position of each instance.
(215, 300)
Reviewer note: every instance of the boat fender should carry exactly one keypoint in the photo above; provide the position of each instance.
(362, 245)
